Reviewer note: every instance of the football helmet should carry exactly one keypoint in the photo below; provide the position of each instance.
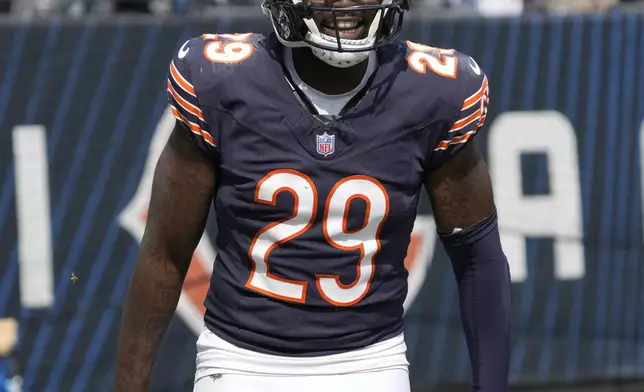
(294, 25)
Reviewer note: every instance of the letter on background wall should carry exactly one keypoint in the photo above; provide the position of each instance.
(33, 216)
(557, 215)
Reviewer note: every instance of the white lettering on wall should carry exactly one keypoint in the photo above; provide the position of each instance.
(33, 213)
(558, 214)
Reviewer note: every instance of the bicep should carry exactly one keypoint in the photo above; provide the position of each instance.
(182, 191)
(460, 190)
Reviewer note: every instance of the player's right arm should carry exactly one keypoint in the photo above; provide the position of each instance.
(182, 191)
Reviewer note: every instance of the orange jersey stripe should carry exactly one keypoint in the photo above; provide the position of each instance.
(474, 98)
(481, 121)
(181, 81)
(196, 129)
(460, 124)
(185, 105)
(457, 140)
(208, 138)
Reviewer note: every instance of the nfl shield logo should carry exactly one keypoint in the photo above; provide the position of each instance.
(326, 144)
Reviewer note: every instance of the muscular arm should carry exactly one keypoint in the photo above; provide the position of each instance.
(461, 191)
(461, 195)
(182, 191)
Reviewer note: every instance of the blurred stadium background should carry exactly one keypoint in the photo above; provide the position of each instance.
(83, 117)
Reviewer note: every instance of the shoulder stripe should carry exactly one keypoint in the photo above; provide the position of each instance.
(473, 125)
(476, 97)
(471, 118)
(184, 104)
(460, 124)
(180, 80)
(444, 145)
(196, 129)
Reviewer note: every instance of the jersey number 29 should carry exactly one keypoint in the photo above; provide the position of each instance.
(334, 223)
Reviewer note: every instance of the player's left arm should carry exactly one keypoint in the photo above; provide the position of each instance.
(461, 195)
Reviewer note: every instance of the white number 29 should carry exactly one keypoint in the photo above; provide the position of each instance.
(365, 239)
(440, 61)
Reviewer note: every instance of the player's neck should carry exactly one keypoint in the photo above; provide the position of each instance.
(325, 78)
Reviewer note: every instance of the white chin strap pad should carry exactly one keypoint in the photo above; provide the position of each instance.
(340, 60)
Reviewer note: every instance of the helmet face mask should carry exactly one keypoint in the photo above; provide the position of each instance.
(300, 24)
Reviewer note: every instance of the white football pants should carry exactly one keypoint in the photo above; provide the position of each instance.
(224, 367)
(395, 380)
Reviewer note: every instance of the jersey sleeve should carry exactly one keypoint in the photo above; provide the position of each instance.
(184, 101)
(468, 114)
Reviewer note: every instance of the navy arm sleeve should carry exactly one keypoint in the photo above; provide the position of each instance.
(483, 278)
(182, 94)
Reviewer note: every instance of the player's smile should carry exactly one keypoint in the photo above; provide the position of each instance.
(349, 25)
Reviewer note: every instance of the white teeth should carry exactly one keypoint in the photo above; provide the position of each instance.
(345, 24)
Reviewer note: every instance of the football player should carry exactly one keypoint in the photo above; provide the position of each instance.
(313, 144)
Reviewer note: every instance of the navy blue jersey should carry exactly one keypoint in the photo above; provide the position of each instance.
(315, 214)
